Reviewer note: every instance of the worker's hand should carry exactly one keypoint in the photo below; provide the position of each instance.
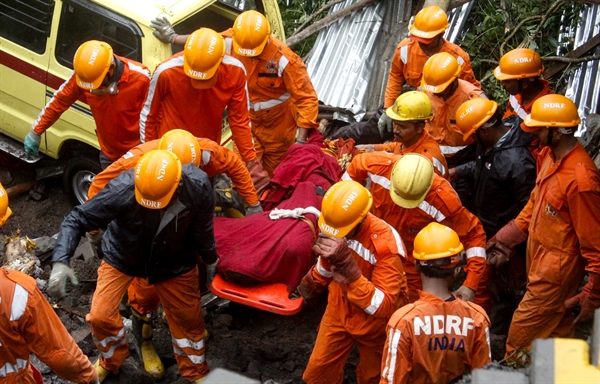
(163, 30)
(588, 300)
(211, 272)
(384, 125)
(465, 293)
(302, 135)
(32, 144)
(507, 238)
(57, 284)
(254, 209)
(331, 248)
(498, 255)
(308, 289)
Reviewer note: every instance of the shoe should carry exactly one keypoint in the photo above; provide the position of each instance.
(101, 371)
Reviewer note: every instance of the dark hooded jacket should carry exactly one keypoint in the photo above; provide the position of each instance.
(502, 178)
(157, 244)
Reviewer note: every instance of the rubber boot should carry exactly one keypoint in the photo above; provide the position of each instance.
(100, 371)
(142, 330)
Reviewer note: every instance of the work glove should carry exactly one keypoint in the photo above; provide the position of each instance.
(465, 293)
(32, 144)
(384, 125)
(254, 209)
(505, 241)
(343, 266)
(57, 284)
(211, 271)
(260, 177)
(588, 300)
(308, 289)
(163, 30)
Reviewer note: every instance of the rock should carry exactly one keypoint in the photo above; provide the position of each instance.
(289, 365)
(271, 351)
(41, 284)
(43, 244)
(223, 320)
(5, 177)
(269, 329)
(252, 370)
(133, 372)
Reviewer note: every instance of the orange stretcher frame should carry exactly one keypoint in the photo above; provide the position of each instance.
(268, 297)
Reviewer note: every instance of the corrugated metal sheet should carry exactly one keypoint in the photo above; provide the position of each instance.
(582, 87)
(351, 59)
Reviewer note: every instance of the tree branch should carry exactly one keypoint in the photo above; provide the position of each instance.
(314, 15)
(324, 22)
(515, 30)
(550, 10)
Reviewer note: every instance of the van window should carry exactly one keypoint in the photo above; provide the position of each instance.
(26, 22)
(242, 5)
(82, 21)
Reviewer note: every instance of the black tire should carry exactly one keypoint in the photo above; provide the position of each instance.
(79, 173)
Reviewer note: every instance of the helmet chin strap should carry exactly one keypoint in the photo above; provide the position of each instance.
(550, 136)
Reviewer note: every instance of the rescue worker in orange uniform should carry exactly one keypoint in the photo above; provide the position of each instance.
(562, 219)
(28, 324)
(519, 73)
(212, 159)
(359, 259)
(158, 217)
(413, 111)
(192, 89)
(439, 337)
(408, 195)
(283, 102)
(115, 89)
(426, 39)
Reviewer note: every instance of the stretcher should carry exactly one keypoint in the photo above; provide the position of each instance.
(268, 297)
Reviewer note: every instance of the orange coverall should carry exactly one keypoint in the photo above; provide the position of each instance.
(435, 341)
(28, 324)
(562, 218)
(358, 312)
(173, 102)
(407, 67)
(282, 98)
(426, 146)
(116, 116)
(442, 126)
(441, 204)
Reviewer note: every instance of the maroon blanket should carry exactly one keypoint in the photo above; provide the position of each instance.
(272, 251)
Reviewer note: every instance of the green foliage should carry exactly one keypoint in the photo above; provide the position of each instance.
(489, 26)
(294, 13)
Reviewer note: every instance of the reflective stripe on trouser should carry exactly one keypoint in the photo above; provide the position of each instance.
(332, 347)
(274, 131)
(21, 373)
(142, 296)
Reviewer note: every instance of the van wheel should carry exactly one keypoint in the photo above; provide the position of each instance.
(79, 173)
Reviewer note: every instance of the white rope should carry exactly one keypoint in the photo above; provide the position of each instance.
(297, 213)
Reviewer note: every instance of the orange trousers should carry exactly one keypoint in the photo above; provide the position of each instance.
(181, 301)
(334, 344)
(143, 298)
(274, 131)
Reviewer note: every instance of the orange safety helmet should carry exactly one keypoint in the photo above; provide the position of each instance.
(202, 54)
(157, 176)
(429, 22)
(437, 245)
(554, 111)
(91, 63)
(519, 63)
(474, 113)
(183, 144)
(5, 211)
(251, 31)
(344, 205)
(411, 179)
(439, 71)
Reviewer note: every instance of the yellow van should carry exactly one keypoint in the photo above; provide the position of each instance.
(38, 39)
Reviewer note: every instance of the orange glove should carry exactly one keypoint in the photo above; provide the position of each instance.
(588, 300)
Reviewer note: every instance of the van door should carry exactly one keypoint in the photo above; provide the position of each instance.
(25, 52)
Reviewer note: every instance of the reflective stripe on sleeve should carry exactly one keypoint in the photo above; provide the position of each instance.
(460, 60)
(19, 303)
(476, 252)
(431, 211)
(450, 150)
(376, 301)
(363, 252)
(346, 176)
(404, 54)
(269, 103)
(321, 270)
(380, 180)
(514, 103)
(205, 156)
(439, 166)
(283, 62)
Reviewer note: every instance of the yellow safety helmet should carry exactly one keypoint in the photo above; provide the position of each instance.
(520, 63)
(251, 31)
(554, 111)
(439, 71)
(429, 22)
(409, 106)
(474, 113)
(91, 63)
(437, 245)
(202, 55)
(157, 176)
(183, 144)
(5, 211)
(411, 179)
(344, 205)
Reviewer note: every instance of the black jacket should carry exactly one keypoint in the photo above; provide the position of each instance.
(502, 178)
(141, 242)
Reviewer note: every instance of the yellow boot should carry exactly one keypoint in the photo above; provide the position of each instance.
(101, 371)
(142, 330)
